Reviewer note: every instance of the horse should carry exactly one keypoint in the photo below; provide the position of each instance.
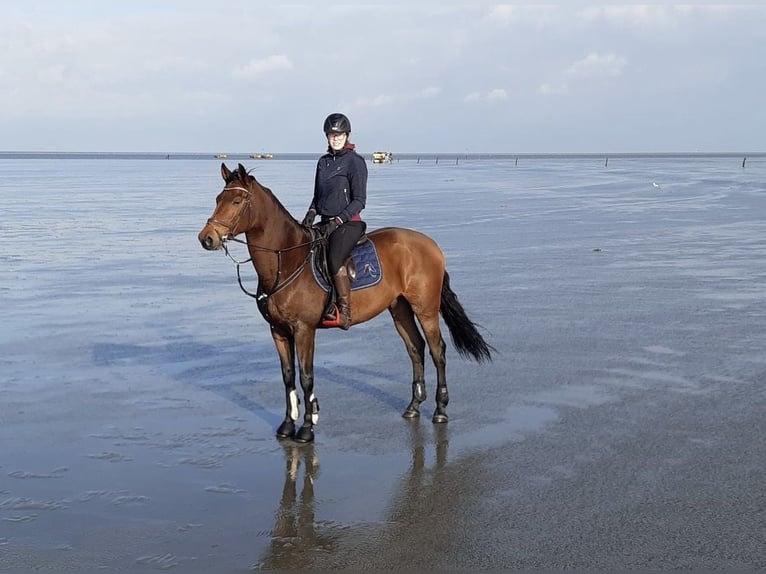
(414, 284)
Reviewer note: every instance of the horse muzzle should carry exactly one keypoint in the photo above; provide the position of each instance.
(210, 239)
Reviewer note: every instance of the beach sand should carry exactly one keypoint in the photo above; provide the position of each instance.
(619, 426)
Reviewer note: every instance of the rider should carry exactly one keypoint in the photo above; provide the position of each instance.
(340, 192)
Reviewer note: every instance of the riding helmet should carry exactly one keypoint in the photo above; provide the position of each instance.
(337, 124)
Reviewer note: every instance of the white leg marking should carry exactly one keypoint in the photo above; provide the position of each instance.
(294, 405)
(314, 416)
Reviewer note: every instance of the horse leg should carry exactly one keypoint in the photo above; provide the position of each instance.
(304, 344)
(286, 350)
(404, 321)
(437, 347)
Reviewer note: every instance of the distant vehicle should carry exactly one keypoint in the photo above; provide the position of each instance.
(221, 156)
(382, 157)
(262, 156)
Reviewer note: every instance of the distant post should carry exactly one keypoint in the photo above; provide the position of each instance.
(606, 163)
(744, 159)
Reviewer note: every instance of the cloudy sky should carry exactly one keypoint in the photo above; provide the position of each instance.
(245, 76)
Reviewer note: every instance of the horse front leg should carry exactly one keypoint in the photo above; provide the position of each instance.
(304, 345)
(286, 349)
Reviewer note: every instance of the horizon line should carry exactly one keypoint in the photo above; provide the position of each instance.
(247, 155)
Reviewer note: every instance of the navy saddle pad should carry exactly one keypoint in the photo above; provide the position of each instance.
(368, 272)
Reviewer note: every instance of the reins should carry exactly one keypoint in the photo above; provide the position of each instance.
(262, 295)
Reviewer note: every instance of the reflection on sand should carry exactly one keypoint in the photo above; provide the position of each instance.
(420, 476)
(299, 541)
(295, 540)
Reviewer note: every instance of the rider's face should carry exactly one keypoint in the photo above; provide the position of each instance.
(337, 141)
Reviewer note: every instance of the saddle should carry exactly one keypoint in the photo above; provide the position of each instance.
(363, 267)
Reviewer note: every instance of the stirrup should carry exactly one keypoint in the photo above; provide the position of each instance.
(335, 321)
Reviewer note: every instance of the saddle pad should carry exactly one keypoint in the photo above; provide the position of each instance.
(368, 272)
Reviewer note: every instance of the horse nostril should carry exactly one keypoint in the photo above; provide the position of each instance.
(207, 242)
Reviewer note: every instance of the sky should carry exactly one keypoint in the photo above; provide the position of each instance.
(244, 76)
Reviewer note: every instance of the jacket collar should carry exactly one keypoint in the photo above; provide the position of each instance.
(344, 150)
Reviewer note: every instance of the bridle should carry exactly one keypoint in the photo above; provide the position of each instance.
(248, 205)
(262, 296)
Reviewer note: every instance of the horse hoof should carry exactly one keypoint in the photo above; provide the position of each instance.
(286, 429)
(304, 435)
(411, 414)
(439, 418)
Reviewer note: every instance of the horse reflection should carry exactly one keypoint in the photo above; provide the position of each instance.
(420, 475)
(295, 541)
(298, 542)
(421, 489)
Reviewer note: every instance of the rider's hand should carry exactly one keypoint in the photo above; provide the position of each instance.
(308, 220)
(329, 227)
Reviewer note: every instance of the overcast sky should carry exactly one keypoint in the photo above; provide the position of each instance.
(244, 76)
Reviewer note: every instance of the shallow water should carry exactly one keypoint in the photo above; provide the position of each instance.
(141, 389)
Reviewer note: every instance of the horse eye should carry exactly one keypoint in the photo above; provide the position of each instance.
(237, 201)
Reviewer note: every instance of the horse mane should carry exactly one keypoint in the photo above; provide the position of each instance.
(244, 177)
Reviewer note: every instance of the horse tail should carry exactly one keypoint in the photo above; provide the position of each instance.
(466, 338)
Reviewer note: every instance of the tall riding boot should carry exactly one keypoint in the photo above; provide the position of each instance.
(342, 283)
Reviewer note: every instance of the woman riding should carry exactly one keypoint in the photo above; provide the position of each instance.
(340, 192)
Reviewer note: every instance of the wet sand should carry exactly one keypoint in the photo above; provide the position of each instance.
(620, 426)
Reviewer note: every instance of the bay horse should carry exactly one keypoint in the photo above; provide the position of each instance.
(414, 284)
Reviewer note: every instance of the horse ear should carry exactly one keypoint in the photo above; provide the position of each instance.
(225, 173)
(242, 172)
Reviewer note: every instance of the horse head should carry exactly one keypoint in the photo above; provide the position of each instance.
(233, 209)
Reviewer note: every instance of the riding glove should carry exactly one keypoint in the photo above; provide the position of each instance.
(329, 227)
(308, 221)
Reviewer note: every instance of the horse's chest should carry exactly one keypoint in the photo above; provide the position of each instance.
(276, 314)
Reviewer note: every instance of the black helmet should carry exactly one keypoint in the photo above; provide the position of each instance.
(337, 124)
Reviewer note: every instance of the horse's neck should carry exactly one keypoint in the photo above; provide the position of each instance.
(273, 244)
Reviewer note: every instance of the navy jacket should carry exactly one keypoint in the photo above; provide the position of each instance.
(340, 185)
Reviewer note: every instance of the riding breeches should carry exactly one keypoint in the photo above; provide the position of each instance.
(342, 242)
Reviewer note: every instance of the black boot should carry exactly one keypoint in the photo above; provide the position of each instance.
(342, 318)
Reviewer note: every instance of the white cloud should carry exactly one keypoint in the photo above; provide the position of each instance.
(504, 13)
(368, 102)
(495, 95)
(658, 17)
(55, 74)
(124, 68)
(646, 16)
(553, 89)
(380, 100)
(598, 65)
(526, 15)
(427, 93)
(259, 67)
(591, 67)
(386, 99)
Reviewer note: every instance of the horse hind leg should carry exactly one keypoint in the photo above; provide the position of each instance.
(404, 321)
(437, 348)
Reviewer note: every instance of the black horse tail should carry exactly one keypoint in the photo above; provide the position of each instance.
(466, 338)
